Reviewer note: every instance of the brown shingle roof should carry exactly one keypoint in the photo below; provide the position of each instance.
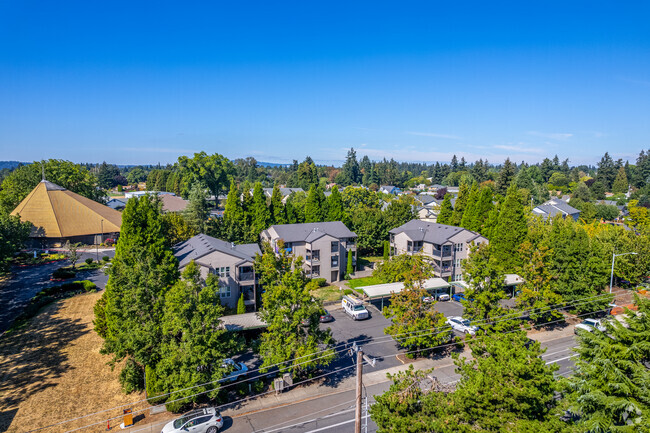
(59, 213)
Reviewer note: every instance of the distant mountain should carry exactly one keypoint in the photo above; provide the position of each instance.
(11, 164)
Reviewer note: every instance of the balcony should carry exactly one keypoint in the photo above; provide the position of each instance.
(246, 276)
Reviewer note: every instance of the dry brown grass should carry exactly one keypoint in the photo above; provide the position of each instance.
(52, 370)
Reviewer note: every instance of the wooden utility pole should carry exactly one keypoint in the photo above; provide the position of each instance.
(357, 414)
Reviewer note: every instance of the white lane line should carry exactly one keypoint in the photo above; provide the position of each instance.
(334, 425)
(307, 421)
(561, 359)
(555, 353)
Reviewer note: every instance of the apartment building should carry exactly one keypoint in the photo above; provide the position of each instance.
(446, 246)
(232, 264)
(324, 246)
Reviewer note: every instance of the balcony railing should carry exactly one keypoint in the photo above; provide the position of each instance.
(246, 276)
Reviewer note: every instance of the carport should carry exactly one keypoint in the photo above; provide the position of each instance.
(381, 291)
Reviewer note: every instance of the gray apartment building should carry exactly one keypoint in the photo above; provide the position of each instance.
(233, 264)
(324, 246)
(446, 246)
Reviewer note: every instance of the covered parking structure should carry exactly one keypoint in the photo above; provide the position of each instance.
(381, 291)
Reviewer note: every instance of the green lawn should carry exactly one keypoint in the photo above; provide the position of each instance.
(327, 293)
(365, 281)
(364, 261)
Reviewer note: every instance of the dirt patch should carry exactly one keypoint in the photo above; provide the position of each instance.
(52, 371)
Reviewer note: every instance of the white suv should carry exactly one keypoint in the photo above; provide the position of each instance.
(462, 325)
(589, 325)
(207, 420)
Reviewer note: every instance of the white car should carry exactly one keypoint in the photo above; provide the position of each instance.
(443, 297)
(459, 324)
(233, 370)
(589, 325)
(207, 420)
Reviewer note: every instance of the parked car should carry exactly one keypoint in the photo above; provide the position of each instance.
(233, 370)
(206, 420)
(459, 324)
(458, 297)
(442, 297)
(589, 325)
(428, 299)
(326, 317)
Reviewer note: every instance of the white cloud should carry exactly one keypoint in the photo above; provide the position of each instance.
(434, 135)
(518, 148)
(551, 135)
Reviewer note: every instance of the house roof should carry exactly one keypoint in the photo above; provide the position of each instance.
(554, 207)
(201, 245)
(309, 232)
(425, 199)
(242, 322)
(388, 289)
(435, 233)
(284, 191)
(173, 203)
(56, 212)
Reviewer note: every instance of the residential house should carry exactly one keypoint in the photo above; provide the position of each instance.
(554, 207)
(445, 246)
(285, 192)
(232, 264)
(117, 203)
(173, 203)
(324, 246)
(389, 189)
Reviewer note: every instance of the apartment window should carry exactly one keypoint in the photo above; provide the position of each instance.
(223, 272)
(335, 261)
(458, 277)
(315, 271)
(224, 291)
(457, 262)
(409, 246)
(315, 255)
(458, 247)
(335, 246)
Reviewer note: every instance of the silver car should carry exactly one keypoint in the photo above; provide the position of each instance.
(462, 325)
(206, 420)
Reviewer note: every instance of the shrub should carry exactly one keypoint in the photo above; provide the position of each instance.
(100, 317)
(106, 259)
(132, 377)
(241, 308)
(348, 291)
(109, 242)
(88, 261)
(322, 282)
(64, 273)
(153, 386)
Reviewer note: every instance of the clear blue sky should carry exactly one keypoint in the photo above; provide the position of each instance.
(419, 81)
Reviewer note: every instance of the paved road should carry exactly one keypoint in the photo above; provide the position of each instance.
(335, 412)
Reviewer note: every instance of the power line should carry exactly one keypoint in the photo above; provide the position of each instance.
(509, 316)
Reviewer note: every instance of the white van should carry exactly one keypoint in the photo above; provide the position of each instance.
(354, 307)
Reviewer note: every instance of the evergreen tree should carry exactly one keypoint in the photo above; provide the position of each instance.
(620, 184)
(482, 210)
(277, 210)
(454, 164)
(233, 216)
(386, 250)
(479, 171)
(470, 215)
(335, 205)
(197, 210)
(446, 212)
(460, 205)
(510, 230)
(248, 208)
(398, 212)
(313, 206)
(349, 269)
(350, 169)
(606, 173)
(194, 342)
(506, 175)
(609, 390)
(260, 213)
(13, 234)
(241, 307)
(143, 269)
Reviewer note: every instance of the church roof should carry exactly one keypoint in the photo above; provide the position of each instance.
(56, 212)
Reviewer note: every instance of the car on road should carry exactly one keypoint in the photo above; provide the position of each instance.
(326, 317)
(206, 420)
(234, 370)
(459, 324)
(589, 325)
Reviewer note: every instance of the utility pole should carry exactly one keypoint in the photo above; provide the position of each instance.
(357, 413)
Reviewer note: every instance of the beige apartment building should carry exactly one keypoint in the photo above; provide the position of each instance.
(324, 246)
(231, 263)
(446, 246)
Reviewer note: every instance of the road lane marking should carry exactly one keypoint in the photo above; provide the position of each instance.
(335, 425)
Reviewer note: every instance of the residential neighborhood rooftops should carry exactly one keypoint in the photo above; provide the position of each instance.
(201, 245)
(554, 207)
(308, 232)
(242, 322)
(173, 203)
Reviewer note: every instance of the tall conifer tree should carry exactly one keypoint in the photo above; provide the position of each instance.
(446, 211)
(335, 205)
(510, 231)
(471, 208)
(276, 209)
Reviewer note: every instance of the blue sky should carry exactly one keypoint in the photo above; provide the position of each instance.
(416, 81)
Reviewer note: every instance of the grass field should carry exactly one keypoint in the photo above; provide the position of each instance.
(52, 371)
(327, 293)
(365, 281)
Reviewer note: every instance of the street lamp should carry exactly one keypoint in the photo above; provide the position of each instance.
(611, 278)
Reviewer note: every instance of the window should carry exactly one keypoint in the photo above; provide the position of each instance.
(223, 272)
(335, 261)
(409, 246)
(224, 291)
(335, 247)
(458, 277)
(315, 255)
(315, 271)
(457, 262)
(458, 247)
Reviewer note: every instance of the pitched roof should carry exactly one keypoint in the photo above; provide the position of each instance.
(309, 232)
(173, 203)
(425, 199)
(554, 207)
(201, 245)
(435, 233)
(56, 212)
